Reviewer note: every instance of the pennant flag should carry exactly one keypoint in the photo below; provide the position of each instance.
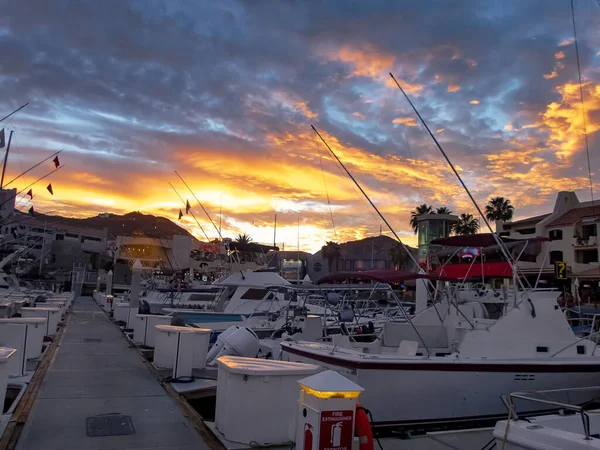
(30, 193)
(187, 207)
(49, 187)
(56, 162)
(180, 215)
(2, 139)
(31, 211)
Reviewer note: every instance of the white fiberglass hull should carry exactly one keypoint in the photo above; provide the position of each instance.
(440, 390)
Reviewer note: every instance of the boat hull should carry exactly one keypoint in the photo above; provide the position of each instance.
(423, 392)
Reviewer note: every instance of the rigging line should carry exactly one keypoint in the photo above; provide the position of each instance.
(361, 198)
(501, 244)
(325, 184)
(192, 212)
(411, 256)
(31, 168)
(412, 163)
(202, 206)
(14, 112)
(587, 146)
(28, 186)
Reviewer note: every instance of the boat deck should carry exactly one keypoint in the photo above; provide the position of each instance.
(93, 383)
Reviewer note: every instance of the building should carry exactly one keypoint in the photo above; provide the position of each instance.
(365, 254)
(58, 246)
(432, 226)
(572, 230)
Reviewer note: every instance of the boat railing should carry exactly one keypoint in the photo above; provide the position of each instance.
(577, 342)
(530, 396)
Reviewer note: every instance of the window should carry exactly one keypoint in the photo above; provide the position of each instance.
(555, 235)
(505, 233)
(542, 349)
(526, 231)
(254, 294)
(555, 256)
(581, 349)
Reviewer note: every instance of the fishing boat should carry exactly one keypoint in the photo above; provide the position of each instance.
(457, 358)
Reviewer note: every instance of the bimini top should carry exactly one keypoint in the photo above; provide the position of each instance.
(480, 240)
(381, 276)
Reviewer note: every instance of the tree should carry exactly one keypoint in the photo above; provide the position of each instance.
(331, 251)
(399, 256)
(467, 224)
(499, 208)
(443, 210)
(243, 238)
(419, 210)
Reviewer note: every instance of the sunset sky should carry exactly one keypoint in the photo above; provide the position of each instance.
(225, 92)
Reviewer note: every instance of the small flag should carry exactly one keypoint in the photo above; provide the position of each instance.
(180, 215)
(49, 187)
(31, 211)
(30, 193)
(187, 207)
(2, 139)
(56, 162)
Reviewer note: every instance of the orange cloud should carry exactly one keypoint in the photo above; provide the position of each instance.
(369, 61)
(408, 121)
(559, 55)
(566, 42)
(564, 119)
(303, 107)
(441, 130)
(474, 102)
(553, 74)
(453, 88)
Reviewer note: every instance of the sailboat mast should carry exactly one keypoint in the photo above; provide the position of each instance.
(5, 159)
(275, 232)
(298, 265)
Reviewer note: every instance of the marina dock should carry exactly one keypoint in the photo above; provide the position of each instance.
(97, 394)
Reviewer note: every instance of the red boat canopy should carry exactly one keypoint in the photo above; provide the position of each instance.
(381, 276)
(467, 271)
(480, 240)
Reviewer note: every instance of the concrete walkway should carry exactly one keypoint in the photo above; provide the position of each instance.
(94, 373)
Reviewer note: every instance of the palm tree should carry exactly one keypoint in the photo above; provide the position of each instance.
(467, 224)
(331, 251)
(443, 210)
(499, 210)
(419, 210)
(243, 238)
(399, 256)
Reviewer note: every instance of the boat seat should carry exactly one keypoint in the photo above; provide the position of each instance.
(408, 348)
(433, 335)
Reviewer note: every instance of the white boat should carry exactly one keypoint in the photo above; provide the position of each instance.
(452, 362)
(572, 429)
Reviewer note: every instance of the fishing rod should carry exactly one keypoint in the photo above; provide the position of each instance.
(191, 212)
(203, 208)
(496, 238)
(14, 112)
(413, 259)
(31, 168)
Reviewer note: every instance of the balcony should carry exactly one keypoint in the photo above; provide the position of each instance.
(588, 242)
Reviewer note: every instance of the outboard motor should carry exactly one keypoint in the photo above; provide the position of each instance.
(235, 341)
(144, 307)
